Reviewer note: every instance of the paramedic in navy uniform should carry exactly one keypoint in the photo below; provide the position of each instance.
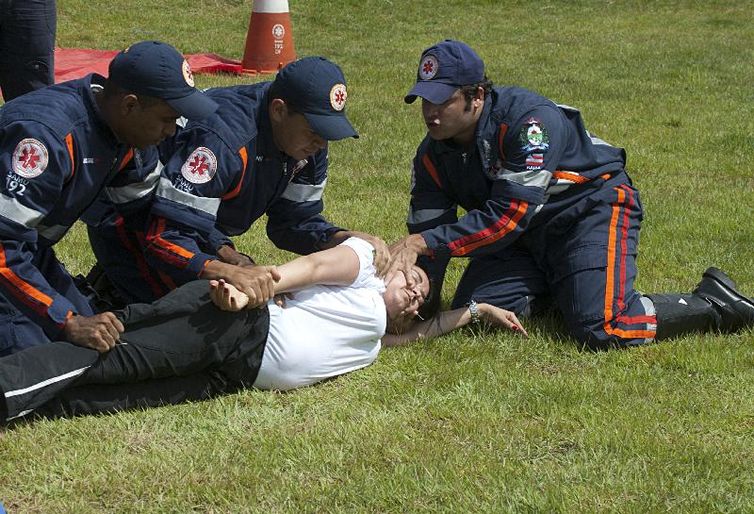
(61, 145)
(265, 151)
(551, 213)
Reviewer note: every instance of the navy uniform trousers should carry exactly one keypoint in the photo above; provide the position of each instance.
(27, 46)
(580, 254)
(178, 348)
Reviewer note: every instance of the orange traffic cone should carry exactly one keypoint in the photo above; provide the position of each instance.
(269, 41)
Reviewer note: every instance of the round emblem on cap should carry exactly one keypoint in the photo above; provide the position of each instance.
(30, 158)
(187, 73)
(338, 95)
(428, 67)
(200, 166)
(278, 31)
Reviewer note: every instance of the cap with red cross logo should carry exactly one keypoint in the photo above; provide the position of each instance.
(316, 87)
(443, 68)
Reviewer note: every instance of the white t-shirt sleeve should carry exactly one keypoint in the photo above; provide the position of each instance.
(367, 276)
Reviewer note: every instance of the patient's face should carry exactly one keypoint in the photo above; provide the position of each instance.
(402, 301)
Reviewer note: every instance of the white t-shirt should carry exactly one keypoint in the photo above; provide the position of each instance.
(325, 331)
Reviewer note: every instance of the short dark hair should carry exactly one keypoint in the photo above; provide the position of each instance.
(113, 90)
(276, 91)
(432, 301)
(469, 92)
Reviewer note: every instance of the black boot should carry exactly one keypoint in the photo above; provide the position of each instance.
(715, 304)
(679, 314)
(736, 310)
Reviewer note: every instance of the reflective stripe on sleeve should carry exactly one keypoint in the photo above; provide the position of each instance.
(166, 190)
(304, 192)
(416, 217)
(137, 190)
(535, 178)
(14, 210)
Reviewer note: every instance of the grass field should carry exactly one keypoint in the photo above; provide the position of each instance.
(476, 421)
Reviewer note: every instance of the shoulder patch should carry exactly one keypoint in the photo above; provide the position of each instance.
(534, 136)
(30, 158)
(200, 167)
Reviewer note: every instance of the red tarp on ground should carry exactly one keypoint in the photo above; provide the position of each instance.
(74, 63)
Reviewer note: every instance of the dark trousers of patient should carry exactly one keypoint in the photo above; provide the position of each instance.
(176, 349)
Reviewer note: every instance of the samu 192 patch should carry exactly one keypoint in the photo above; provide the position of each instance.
(534, 136)
(30, 158)
(200, 166)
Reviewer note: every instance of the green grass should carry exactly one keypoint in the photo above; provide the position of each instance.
(475, 421)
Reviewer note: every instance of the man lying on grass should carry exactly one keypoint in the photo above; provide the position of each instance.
(203, 339)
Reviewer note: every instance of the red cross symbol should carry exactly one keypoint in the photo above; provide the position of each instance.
(428, 66)
(29, 158)
(198, 165)
(340, 97)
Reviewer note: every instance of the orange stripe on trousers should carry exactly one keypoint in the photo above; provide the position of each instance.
(610, 283)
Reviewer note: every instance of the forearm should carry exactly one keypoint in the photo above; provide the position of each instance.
(336, 238)
(441, 324)
(335, 266)
(341, 235)
(28, 290)
(450, 320)
(482, 231)
(176, 252)
(230, 255)
(216, 270)
(297, 231)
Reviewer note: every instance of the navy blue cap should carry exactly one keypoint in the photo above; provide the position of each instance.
(443, 68)
(316, 88)
(156, 69)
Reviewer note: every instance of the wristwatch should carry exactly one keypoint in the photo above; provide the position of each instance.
(474, 312)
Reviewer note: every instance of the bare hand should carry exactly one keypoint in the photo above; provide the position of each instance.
(100, 332)
(258, 282)
(501, 318)
(226, 297)
(381, 252)
(282, 298)
(404, 254)
(229, 255)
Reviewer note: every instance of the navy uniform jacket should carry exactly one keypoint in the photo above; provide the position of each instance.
(221, 174)
(57, 153)
(529, 153)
